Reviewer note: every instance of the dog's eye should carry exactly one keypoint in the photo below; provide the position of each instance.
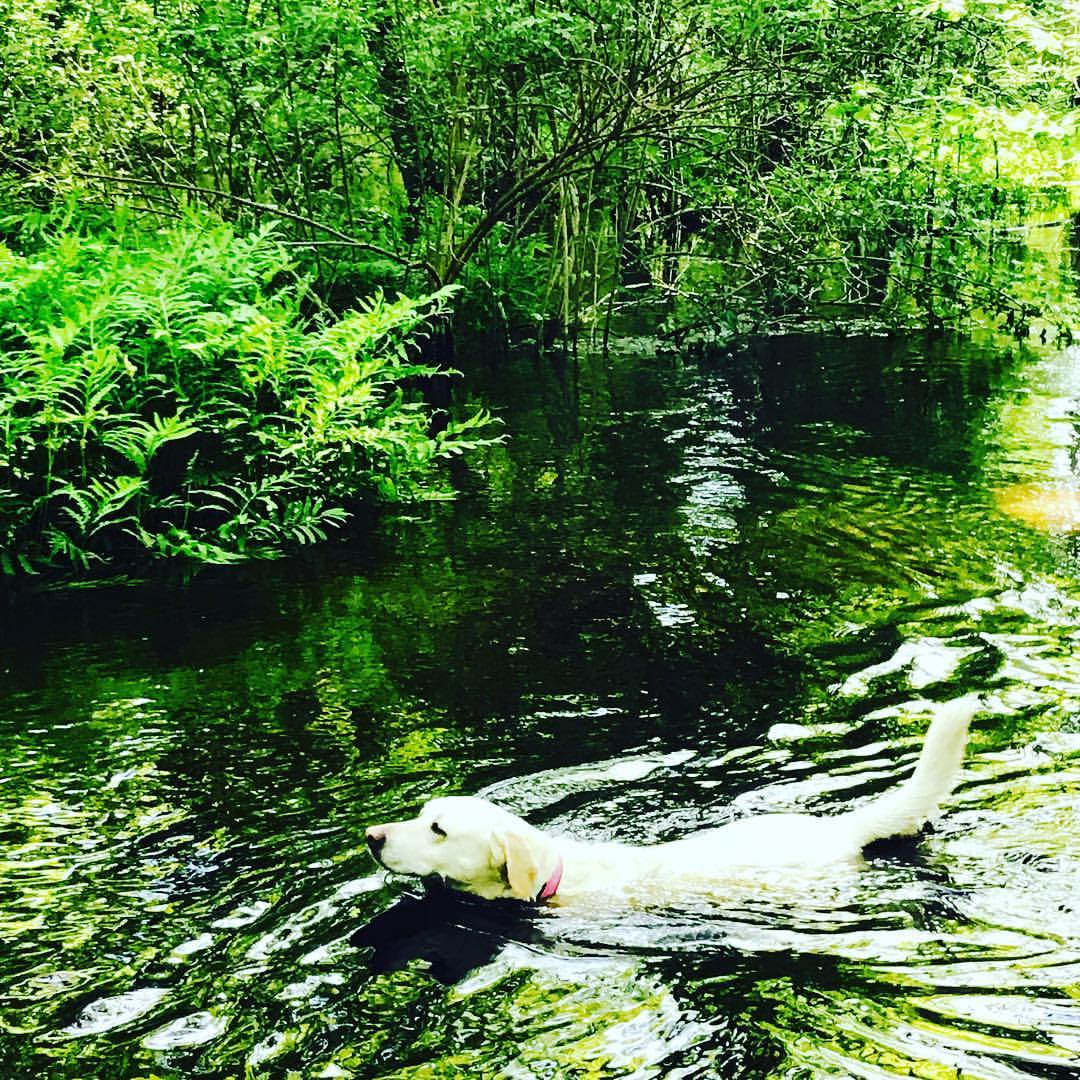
(437, 829)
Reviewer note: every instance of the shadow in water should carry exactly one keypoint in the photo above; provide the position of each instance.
(452, 934)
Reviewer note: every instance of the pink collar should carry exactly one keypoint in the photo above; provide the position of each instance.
(552, 886)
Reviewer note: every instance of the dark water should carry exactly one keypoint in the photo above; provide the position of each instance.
(681, 591)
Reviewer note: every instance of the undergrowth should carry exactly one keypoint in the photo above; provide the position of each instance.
(169, 394)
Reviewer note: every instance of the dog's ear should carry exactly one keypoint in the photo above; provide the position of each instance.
(517, 854)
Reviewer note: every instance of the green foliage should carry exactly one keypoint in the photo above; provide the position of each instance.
(889, 167)
(166, 393)
(757, 163)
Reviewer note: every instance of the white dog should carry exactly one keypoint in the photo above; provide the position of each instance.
(476, 847)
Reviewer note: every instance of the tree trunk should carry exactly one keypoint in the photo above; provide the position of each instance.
(417, 177)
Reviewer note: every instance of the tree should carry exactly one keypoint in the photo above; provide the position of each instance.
(753, 162)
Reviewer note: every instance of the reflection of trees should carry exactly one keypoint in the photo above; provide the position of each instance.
(613, 576)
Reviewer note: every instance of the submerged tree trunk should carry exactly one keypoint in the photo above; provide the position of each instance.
(438, 352)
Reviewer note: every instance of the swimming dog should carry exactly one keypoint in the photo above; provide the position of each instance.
(474, 846)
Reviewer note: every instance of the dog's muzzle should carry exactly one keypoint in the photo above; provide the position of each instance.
(376, 840)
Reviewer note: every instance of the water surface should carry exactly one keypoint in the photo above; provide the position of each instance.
(681, 592)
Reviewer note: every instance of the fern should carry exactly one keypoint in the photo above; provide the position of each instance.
(162, 394)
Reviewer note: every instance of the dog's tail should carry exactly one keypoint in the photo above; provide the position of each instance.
(905, 809)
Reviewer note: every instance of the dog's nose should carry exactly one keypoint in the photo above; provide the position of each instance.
(376, 838)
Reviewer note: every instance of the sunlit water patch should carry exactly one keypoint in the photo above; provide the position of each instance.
(681, 594)
(1036, 446)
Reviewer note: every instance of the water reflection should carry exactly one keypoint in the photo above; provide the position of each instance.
(681, 593)
(1037, 447)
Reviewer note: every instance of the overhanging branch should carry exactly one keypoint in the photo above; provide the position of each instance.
(267, 208)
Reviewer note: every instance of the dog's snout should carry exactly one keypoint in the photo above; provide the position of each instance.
(376, 838)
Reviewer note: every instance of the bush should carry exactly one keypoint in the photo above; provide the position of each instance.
(164, 393)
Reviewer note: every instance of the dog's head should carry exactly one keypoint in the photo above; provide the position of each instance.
(471, 845)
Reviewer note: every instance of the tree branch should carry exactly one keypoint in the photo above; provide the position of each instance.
(267, 208)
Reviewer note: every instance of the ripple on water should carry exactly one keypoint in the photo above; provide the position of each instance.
(751, 599)
(195, 1029)
(106, 1014)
